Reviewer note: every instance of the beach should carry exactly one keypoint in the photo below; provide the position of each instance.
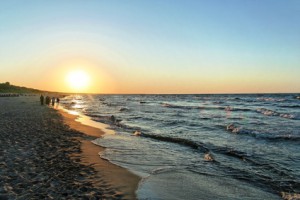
(75, 150)
(46, 154)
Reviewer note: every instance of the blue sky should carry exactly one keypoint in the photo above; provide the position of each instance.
(162, 46)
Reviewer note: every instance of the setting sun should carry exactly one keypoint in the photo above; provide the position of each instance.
(78, 79)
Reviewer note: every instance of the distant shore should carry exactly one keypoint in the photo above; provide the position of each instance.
(45, 155)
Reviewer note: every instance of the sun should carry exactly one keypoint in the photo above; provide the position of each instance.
(78, 80)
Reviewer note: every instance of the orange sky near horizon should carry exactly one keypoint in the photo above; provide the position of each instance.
(107, 78)
(103, 80)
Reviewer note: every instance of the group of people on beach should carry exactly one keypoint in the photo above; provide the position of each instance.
(48, 100)
(9, 95)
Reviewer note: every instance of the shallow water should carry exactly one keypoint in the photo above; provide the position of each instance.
(254, 140)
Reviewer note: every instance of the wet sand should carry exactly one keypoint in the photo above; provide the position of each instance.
(123, 182)
(45, 155)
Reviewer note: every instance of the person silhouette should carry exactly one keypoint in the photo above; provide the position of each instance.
(42, 99)
(53, 101)
(47, 100)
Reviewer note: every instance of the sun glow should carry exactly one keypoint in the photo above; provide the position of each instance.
(78, 80)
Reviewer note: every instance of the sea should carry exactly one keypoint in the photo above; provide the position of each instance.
(223, 146)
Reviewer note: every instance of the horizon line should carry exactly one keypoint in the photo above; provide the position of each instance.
(221, 93)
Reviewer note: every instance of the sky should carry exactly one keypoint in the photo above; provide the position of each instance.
(152, 47)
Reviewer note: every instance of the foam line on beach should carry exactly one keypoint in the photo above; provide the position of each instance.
(123, 181)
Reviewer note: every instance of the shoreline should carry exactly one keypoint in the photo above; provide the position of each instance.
(122, 180)
(42, 157)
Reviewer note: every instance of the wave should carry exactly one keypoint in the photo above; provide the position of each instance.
(205, 118)
(268, 182)
(182, 141)
(249, 159)
(259, 135)
(282, 138)
(160, 170)
(286, 184)
(167, 105)
(205, 148)
(226, 108)
(143, 102)
(286, 181)
(111, 120)
(124, 109)
(245, 158)
(268, 112)
(271, 99)
(289, 106)
(113, 104)
(94, 115)
(104, 119)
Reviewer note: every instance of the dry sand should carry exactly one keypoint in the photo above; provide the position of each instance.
(44, 155)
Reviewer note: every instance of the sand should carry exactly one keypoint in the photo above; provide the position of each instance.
(123, 181)
(46, 154)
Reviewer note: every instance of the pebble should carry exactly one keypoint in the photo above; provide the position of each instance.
(35, 155)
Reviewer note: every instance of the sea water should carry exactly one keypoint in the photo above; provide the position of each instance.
(253, 140)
